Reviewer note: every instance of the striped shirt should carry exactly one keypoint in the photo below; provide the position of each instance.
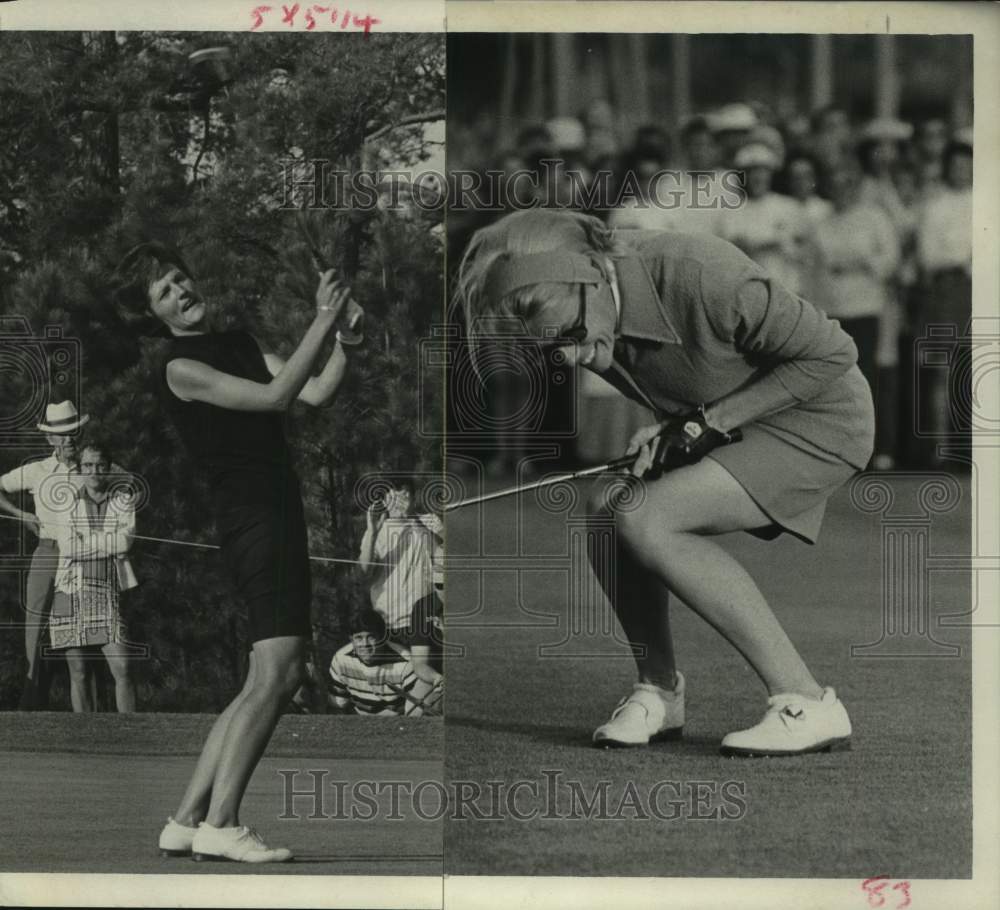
(370, 689)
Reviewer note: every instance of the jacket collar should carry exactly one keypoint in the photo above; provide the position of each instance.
(643, 313)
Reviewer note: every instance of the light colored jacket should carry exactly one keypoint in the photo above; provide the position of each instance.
(112, 539)
(700, 320)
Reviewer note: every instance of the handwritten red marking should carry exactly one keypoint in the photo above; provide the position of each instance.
(311, 20)
(310, 13)
(366, 23)
(875, 888)
(258, 16)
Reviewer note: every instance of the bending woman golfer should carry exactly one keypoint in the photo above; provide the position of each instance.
(692, 328)
(227, 398)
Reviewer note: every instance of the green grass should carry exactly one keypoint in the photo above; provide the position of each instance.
(322, 736)
(89, 793)
(898, 804)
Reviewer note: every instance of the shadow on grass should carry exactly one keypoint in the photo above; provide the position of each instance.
(577, 737)
(367, 858)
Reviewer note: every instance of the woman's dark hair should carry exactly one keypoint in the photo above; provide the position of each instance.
(782, 181)
(140, 267)
(694, 126)
(401, 482)
(651, 141)
(97, 444)
(954, 148)
(819, 116)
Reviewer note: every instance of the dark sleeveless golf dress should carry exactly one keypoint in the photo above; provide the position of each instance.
(257, 498)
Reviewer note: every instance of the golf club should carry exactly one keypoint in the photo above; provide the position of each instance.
(623, 462)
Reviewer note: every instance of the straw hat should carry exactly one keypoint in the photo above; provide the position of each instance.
(886, 129)
(62, 418)
(757, 154)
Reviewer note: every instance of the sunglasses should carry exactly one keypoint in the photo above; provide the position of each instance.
(574, 334)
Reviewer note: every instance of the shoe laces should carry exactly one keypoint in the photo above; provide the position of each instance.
(248, 833)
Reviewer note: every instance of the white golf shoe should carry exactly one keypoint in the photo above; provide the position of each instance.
(794, 725)
(239, 845)
(176, 839)
(647, 714)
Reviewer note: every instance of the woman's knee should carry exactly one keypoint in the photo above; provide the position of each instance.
(281, 677)
(77, 667)
(119, 668)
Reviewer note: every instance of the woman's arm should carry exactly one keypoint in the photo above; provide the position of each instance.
(191, 380)
(115, 541)
(765, 321)
(27, 517)
(373, 526)
(318, 390)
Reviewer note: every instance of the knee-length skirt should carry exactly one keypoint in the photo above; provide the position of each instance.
(790, 480)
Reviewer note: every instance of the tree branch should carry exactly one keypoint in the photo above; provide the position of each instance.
(425, 117)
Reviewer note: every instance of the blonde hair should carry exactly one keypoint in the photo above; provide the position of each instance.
(524, 233)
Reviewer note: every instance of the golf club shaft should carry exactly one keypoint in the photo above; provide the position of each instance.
(624, 462)
(615, 465)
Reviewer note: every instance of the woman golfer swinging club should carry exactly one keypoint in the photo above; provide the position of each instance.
(696, 331)
(226, 398)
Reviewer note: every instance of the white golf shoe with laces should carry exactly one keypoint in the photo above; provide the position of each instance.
(794, 725)
(647, 714)
(239, 845)
(176, 839)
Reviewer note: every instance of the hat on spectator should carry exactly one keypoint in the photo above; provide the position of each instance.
(886, 129)
(62, 418)
(733, 117)
(567, 133)
(757, 154)
(769, 136)
(963, 137)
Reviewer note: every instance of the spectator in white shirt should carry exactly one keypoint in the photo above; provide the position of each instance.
(944, 258)
(50, 482)
(944, 232)
(858, 255)
(769, 227)
(397, 553)
(800, 181)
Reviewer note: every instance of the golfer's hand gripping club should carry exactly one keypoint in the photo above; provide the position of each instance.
(350, 319)
(686, 440)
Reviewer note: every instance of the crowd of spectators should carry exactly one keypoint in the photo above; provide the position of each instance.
(871, 221)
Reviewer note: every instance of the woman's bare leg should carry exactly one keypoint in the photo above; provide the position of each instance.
(117, 657)
(639, 598)
(79, 692)
(194, 804)
(280, 670)
(668, 536)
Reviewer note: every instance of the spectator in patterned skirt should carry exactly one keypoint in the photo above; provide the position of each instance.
(94, 570)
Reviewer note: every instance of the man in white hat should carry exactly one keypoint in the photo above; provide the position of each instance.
(49, 481)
